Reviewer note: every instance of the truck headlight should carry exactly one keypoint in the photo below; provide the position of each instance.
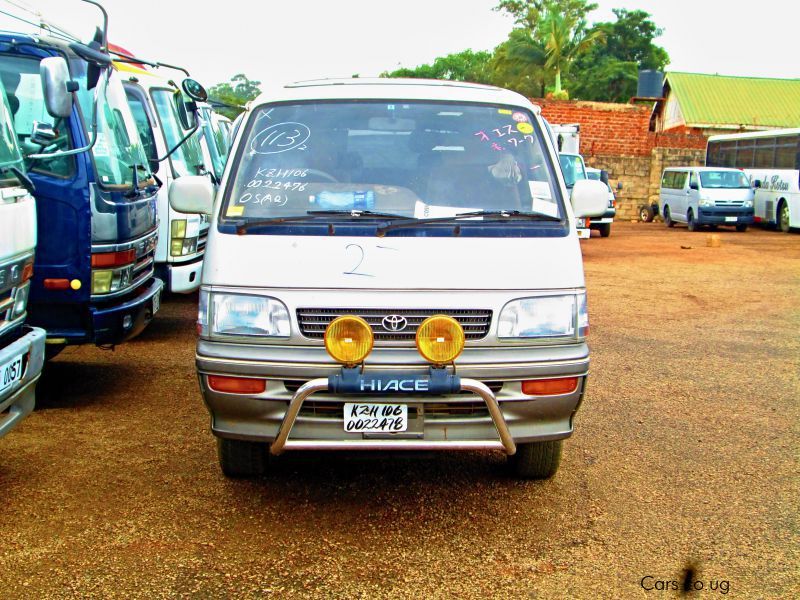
(245, 315)
(178, 228)
(21, 299)
(105, 281)
(544, 317)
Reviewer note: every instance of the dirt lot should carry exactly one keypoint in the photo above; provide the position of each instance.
(685, 453)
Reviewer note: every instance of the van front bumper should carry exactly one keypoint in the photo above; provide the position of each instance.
(724, 216)
(449, 421)
(18, 401)
(120, 322)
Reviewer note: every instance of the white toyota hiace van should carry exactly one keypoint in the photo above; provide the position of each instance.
(706, 196)
(392, 265)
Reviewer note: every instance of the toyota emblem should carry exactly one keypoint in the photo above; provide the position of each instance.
(394, 323)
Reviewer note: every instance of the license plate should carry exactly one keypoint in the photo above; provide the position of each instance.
(11, 372)
(730, 219)
(367, 418)
(156, 302)
(584, 234)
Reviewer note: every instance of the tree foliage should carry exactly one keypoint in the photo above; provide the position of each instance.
(463, 66)
(234, 94)
(610, 72)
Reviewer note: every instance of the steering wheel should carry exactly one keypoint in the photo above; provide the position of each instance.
(323, 174)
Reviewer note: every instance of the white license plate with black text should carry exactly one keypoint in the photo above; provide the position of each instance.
(375, 418)
(156, 302)
(730, 219)
(11, 372)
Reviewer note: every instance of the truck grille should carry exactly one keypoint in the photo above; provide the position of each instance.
(393, 324)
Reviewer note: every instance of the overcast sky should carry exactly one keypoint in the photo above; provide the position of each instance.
(302, 39)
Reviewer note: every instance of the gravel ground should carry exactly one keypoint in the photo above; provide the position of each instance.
(685, 454)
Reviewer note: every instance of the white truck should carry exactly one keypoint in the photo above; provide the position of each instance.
(21, 347)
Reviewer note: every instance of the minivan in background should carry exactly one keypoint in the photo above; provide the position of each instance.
(701, 196)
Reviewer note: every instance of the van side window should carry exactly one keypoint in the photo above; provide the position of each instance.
(680, 180)
(666, 180)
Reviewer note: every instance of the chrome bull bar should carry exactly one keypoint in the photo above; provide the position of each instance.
(282, 441)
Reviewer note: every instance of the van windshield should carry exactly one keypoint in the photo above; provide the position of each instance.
(411, 159)
(724, 179)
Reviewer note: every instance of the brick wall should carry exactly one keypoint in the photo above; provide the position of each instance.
(617, 138)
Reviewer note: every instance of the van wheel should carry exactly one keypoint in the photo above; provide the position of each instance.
(646, 214)
(536, 460)
(668, 217)
(783, 216)
(605, 229)
(239, 459)
(741, 227)
(690, 222)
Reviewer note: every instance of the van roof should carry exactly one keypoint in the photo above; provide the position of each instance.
(702, 169)
(379, 88)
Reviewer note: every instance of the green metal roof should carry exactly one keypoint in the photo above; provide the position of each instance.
(719, 101)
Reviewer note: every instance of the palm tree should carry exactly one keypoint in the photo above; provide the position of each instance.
(519, 64)
(564, 37)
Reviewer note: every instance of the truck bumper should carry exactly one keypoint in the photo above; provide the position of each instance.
(438, 421)
(182, 278)
(18, 401)
(120, 322)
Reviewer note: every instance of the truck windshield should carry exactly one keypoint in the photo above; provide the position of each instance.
(417, 160)
(573, 168)
(188, 158)
(216, 140)
(724, 179)
(118, 149)
(10, 155)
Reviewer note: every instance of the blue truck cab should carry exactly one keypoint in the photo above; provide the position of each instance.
(93, 276)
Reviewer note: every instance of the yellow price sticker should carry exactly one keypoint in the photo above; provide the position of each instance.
(235, 211)
(525, 128)
(505, 111)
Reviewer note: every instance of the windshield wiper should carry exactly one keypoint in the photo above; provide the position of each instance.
(23, 178)
(491, 214)
(316, 214)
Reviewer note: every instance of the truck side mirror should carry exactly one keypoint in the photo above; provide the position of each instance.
(589, 198)
(192, 194)
(56, 86)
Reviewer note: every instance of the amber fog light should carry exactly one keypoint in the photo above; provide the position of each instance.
(440, 339)
(550, 387)
(348, 339)
(236, 385)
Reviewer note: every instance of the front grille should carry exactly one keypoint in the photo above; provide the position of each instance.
(335, 410)
(202, 239)
(733, 203)
(313, 321)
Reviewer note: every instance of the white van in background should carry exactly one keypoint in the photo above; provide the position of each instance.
(369, 236)
(701, 196)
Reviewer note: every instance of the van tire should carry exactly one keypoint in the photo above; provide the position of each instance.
(605, 229)
(742, 227)
(239, 459)
(668, 217)
(690, 222)
(783, 216)
(537, 460)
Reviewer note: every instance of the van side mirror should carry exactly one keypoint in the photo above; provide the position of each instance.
(192, 194)
(57, 87)
(589, 198)
(604, 176)
(693, 186)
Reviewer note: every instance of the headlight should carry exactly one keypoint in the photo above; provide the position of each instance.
(105, 281)
(183, 246)
(179, 228)
(748, 204)
(544, 317)
(257, 316)
(21, 299)
(706, 202)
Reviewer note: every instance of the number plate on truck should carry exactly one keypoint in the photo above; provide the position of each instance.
(156, 302)
(10, 372)
(367, 418)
